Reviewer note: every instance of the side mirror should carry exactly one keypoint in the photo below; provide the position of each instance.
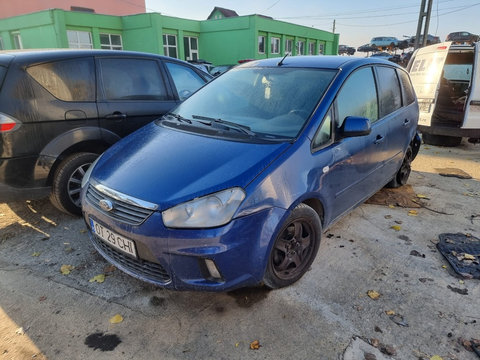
(355, 126)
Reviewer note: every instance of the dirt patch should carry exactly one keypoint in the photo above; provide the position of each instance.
(403, 196)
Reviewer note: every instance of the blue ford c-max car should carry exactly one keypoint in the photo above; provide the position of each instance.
(234, 186)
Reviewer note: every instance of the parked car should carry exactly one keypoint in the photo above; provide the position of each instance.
(462, 37)
(382, 55)
(384, 41)
(344, 49)
(366, 48)
(447, 82)
(235, 186)
(430, 40)
(201, 64)
(60, 109)
(220, 69)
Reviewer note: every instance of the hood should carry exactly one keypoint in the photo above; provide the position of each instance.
(168, 167)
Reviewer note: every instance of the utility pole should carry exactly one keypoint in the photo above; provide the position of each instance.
(333, 31)
(423, 13)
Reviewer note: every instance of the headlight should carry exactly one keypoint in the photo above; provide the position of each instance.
(89, 171)
(209, 211)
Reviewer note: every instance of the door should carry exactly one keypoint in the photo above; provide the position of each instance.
(401, 120)
(191, 48)
(426, 70)
(131, 93)
(357, 161)
(472, 106)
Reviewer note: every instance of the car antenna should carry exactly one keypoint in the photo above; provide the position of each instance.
(280, 63)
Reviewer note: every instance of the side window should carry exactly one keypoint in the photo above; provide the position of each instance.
(388, 90)
(132, 79)
(324, 133)
(358, 97)
(67, 80)
(186, 80)
(408, 92)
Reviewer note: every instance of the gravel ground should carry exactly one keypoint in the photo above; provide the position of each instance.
(422, 309)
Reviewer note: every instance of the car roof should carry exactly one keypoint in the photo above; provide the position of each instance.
(41, 55)
(317, 61)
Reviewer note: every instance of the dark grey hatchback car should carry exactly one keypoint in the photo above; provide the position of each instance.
(59, 109)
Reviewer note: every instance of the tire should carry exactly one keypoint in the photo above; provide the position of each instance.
(441, 140)
(67, 181)
(402, 175)
(294, 249)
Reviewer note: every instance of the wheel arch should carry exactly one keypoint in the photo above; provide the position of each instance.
(87, 139)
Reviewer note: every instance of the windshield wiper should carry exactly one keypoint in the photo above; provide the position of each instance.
(179, 117)
(242, 128)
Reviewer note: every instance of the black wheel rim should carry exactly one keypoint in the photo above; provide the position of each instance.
(405, 169)
(74, 185)
(293, 250)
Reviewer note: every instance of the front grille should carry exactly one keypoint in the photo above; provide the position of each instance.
(144, 269)
(122, 211)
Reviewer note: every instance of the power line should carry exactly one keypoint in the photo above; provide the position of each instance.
(411, 21)
(336, 15)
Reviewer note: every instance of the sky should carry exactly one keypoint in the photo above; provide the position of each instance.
(356, 21)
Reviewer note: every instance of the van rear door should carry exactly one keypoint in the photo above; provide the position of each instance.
(425, 70)
(472, 108)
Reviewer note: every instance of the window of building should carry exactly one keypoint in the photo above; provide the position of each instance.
(300, 47)
(119, 82)
(321, 49)
(191, 48)
(261, 44)
(275, 45)
(67, 80)
(1, 44)
(389, 92)
(288, 46)
(311, 48)
(79, 39)
(111, 41)
(17, 40)
(170, 45)
(186, 80)
(358, 97)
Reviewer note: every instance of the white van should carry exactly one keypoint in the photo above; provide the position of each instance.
(446, 79)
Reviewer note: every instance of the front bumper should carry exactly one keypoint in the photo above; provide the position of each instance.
(176, 258)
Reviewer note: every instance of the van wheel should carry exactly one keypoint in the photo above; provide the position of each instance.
(402, 175)
(295, 248)
(67, 182)
(441, 140)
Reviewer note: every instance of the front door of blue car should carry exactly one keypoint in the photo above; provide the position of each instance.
(356, 164)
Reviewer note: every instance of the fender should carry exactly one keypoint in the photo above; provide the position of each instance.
(50, 153)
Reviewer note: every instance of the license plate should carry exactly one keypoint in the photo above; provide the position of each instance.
(117, 241)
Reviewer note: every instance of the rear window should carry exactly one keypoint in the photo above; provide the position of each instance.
(67, 80)
(408, 92)
(3, 71)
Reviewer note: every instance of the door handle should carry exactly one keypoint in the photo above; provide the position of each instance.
(117, 115)
(379, 139)
(406, 122)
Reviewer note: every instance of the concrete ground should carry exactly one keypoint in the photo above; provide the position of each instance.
(422, 309)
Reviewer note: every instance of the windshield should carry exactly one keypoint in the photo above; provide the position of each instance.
(271, 102)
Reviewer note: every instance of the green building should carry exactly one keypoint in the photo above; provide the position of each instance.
(224, 38)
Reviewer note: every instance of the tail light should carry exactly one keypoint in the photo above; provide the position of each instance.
(7, 123)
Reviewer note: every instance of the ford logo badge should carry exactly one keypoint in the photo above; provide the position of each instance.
(106, 205)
